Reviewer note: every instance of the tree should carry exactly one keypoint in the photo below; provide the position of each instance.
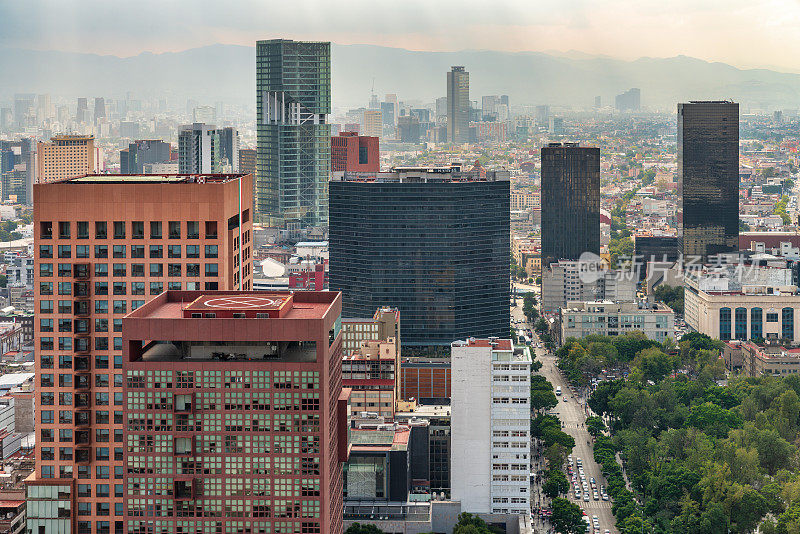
(567, 517)
(655, 364)
(529, 306)
(541, 326)
(595, 425)
(555, 483)
(542, 396)
(472, 524)
(358, 528)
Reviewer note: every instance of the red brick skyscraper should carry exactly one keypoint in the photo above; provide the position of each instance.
(237, 421)
(105, 245)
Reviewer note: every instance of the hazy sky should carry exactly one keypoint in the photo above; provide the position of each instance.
(745, 33)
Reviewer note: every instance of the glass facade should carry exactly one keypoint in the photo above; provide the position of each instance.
(756, 323)
(437, 250)
(570, 201)
(725, 324)
(293, 159)
(458, 105)
(787, 323)
(741, 323)
(708, 177)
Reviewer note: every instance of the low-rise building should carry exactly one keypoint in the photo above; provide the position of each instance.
(438, 418)
(606, 318)
(578, 281)
(769, 360)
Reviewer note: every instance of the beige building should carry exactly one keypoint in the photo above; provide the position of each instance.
(373, 123)
(763, 307)
(524, 199)
(66, 156)
(762, 360)
(580, 319)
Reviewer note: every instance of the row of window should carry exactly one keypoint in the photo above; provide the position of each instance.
(739, 323)
(66, 435)
(137, 269)
(46, 380)
(121, 251)
(137, 229)
(102, 472)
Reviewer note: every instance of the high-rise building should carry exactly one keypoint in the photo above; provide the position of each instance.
(17, 170)
(247, 161)
(708, 177)
(458, 105)
(83, 109)
(570, 201)
(432, 242)
(630, 100)
(409, 128)
(24, 110)
(441, 110)
(199, 149)
(489, 107)
(204, 114)
(44, 107)
(490, 426)
(65, 156)
(142, 152)
(353, 152)
(293, 100)
(99, 109)
(229, 147)
(99, 256)
(373, 123)
(392, 99)
(387, 114)
(247, 411)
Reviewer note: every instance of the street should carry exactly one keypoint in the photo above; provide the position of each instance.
(572, 414)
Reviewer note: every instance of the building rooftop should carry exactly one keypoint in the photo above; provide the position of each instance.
(151, 178)
(455, 172)
(494, 343)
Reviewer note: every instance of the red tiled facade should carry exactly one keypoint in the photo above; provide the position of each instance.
(237, 420)
(105, 245)
(353, 152)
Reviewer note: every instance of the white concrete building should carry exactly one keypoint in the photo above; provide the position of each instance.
(606, 318)
(577, 281)
(490, 426)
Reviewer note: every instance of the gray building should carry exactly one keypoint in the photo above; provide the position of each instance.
(573, 281)
(607, 318)
(229, 147)
(133, 159)
(199, 149)
(293, 160)
(708, 177)
(458, 105)
(630, 100)
(570, 201)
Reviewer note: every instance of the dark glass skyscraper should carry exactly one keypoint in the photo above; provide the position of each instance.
(708, 177)
(293, 100)
(140, 153)
(570, 201)
(458, 106)
(432, 242)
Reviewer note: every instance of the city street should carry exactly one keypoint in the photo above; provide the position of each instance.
(572, 414)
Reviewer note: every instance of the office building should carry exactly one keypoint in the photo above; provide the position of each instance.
(575, 281)
(608, 318)
(458, 105)
(353, 152)
(409, 129)
(199, 149)
(490, 440)
(438, 418)
(743, 302)
(372, 124)
(99, 109)
(293, 100)
(82, 111)
(257, 443)
(143, 152)
(387, 115)
(371, 368)
(98, 257)
(430, 241)
(17, 170)
(247, 165)
(570, 201)
(204, 114)
(65, 156)
(630, 100)
(24, 110)
(654, 248)
(708, 177)
(229, 148)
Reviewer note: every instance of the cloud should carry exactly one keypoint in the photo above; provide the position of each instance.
(741, 32)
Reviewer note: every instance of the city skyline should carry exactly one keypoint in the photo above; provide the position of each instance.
(680, 28)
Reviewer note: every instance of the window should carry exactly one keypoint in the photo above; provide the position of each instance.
(156, 251)
(120, 269)
(173, 251)
(120, 306)
(119, 251)
(45, 288)
(787, 323)
(137, 229)
(725, 324)
(101, 251)
(212, 286)
(192, 251)
(46, 325)
(82, 251)
(46, 230)
(64, 269)
(173, 269)
(100, 230)
(211, 229)
(156, 288)
(212, 251)
(101, 269)
(174, 229)
(45, 269)
(64, 251)
(137, 269)
(119, 229)
(101, 288)
(137, 288)
(192, 230)
(192, 269)
(155, 230)
(156, 269)
(756, 323)
(83, 229)
(772, 317)
(174, 286)
(65, 288)
(740, 324)
(101, 306)
(120, 288)
(45, 251)
(137, 251)
(63, 230)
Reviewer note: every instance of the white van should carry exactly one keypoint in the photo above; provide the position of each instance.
(558, 390)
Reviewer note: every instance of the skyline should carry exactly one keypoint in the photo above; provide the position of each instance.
(615, 28)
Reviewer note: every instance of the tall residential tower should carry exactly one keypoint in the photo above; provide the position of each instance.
(293, 100)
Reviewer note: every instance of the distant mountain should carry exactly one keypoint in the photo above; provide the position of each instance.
(227, 73)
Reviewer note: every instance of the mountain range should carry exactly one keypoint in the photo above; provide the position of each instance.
(227, 73)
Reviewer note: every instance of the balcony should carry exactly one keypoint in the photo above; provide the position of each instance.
(83, 437)
(83, 418)
(83, 400)
(83, 455)
(83, 363)
(83, 344)
(184, 490)
(83, 271)
(81, 290)
(83, 381)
